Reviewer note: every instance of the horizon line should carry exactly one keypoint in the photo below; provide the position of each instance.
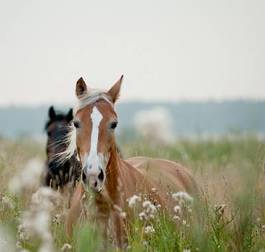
(143, 101)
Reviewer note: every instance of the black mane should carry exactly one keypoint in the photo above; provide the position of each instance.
(59, 173)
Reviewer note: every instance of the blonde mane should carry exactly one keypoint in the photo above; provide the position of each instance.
(91, 97)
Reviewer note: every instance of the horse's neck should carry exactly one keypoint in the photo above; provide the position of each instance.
(124, 180)
(112, 172)
(121, 177)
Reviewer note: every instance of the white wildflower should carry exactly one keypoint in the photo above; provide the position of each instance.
(176, 217)
(28, 178)
(151, 216)
(149, 211)
(18, 245)
(149, 229)
(142, 216)
(182, 196)
(149, 207)
(186, 250)
(35, 221)
(66, 247)
(133, 200)
(46, 198)
(177, 209)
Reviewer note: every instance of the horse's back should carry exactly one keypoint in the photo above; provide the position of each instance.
(165, 173)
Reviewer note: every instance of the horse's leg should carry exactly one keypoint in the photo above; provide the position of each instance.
(75, 209)
(103, 217)
(104, 222)
(119, 229)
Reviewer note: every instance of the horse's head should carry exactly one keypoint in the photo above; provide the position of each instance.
(57, 128)
(95, 121)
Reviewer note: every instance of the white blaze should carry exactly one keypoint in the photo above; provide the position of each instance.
(96, 118)
(94, 160)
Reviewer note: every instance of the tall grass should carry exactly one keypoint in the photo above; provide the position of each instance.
(229, 216)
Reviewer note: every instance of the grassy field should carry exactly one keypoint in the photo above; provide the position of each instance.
(229, 216)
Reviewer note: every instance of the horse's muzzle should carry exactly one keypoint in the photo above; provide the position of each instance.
(95, 180)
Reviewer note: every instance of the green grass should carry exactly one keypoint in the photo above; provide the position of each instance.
(230, 215)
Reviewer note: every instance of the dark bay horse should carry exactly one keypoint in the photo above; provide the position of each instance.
(111, 179)
(59, 173)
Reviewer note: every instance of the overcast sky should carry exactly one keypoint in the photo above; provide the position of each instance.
(167, 49)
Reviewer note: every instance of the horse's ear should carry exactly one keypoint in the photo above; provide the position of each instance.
(52, 113)
(81, 87)
(69, 116)
(114, 92)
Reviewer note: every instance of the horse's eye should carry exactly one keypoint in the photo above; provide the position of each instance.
(113, 125)
(76, 124)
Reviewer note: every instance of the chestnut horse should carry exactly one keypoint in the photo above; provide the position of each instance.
(111, 179)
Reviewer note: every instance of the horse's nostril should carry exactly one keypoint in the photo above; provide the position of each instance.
(84, 176)
(101, 175)
(95, 184)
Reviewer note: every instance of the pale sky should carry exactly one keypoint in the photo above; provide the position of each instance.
(167, 49)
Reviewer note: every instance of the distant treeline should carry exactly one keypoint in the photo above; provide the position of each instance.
(189, 118)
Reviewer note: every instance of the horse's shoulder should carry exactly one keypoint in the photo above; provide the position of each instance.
(138, 162)
(158, 165)
(141, 160)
